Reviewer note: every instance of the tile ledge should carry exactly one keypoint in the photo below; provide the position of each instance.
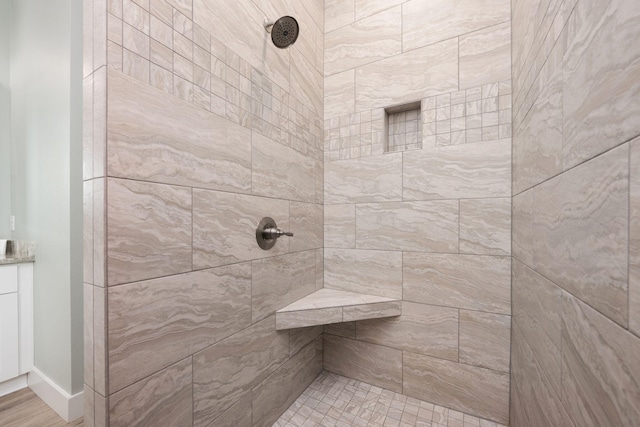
(344, 306)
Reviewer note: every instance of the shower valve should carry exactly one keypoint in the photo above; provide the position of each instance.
(267, 233)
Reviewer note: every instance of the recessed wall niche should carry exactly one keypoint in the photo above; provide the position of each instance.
(403, 128)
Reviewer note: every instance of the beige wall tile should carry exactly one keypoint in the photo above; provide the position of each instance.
(149, 230)
(458, 171)
(634, 238)
(224, 226)
(371, 311)
(522, 227)
(100, 348)
(368, 272)
(281, 280)
(537, 311)
(340, 94)
(366, 8)
(367, 179)
(240, 27)
(425, 22)
(393, 226)
(338, 13)
(581, 229)
(150, 129)
(239, 415)
(421, 328)
(476, 391)
(537, 144)
(308, 317)
(370, 39)
(485, 56)
(485, 226)
(99, 228)
(87, 234)
(371, 363)
(594, 85)
(278, 391)
(464, 281)
(282, 172)
(300, 337)
(88, 335)
(485, 340)
(340, 226)
(600, 374)
(408, 77)
(158, 322)
(162, 399)
(305, 222)
(306, 81)
(345, 329)
(224, 372)
(319, 269)
(539, 404)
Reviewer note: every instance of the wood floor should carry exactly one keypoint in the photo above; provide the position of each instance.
(24, 409)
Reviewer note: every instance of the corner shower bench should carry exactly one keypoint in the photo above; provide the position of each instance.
(326, 306)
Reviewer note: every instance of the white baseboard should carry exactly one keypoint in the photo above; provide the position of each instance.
(67, 406)
(14, 384)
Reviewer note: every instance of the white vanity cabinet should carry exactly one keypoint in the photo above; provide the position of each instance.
(16, 320)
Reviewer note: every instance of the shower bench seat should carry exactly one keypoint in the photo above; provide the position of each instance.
(326, 306)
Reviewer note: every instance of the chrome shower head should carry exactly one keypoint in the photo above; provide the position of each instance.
(284, 32)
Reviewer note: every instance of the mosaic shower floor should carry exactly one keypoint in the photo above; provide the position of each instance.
(336, 401)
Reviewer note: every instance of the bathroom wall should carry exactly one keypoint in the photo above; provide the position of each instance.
(197, 126)
(576, 210)
(430, 225)
(46, 141)
(5, 119)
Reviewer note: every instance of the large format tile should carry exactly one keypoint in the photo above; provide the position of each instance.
(537, 143)
(485, 226)
(338, 13)
(366, 272)
(601, 73)
(485, 339)
(485, 56)
(375, 364)
(281, 280)
(224, 227)
(307, 226)
(424, 329)
(537, 310)
(340, 94)
(634, 238)
(463, 281)
(458, 171)
(154, 136)
(366, 179)
(477, 391)
(306, 81)
(224, 372)
(426, 22)
(364, 41)
(408, 77)
(581, 229)
(239, 415)
(540, 404)
(364, 8)
(162, 399)
(280, 389)
(157, 322)
(340, 226)
(282, 172)
(149, 230)
(594, 395)
(392, 226)
(522, 227)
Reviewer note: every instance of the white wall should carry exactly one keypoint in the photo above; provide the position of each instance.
(5, 117)
(46, 125)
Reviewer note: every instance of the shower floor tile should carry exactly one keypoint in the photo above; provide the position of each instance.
(336, 401)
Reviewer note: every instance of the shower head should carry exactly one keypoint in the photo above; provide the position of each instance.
(284, 32)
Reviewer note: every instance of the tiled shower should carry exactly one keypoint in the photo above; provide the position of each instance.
(506, 223)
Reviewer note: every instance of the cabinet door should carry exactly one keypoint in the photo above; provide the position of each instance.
(8, 336)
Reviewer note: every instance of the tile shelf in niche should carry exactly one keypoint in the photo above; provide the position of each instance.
(326, 306)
